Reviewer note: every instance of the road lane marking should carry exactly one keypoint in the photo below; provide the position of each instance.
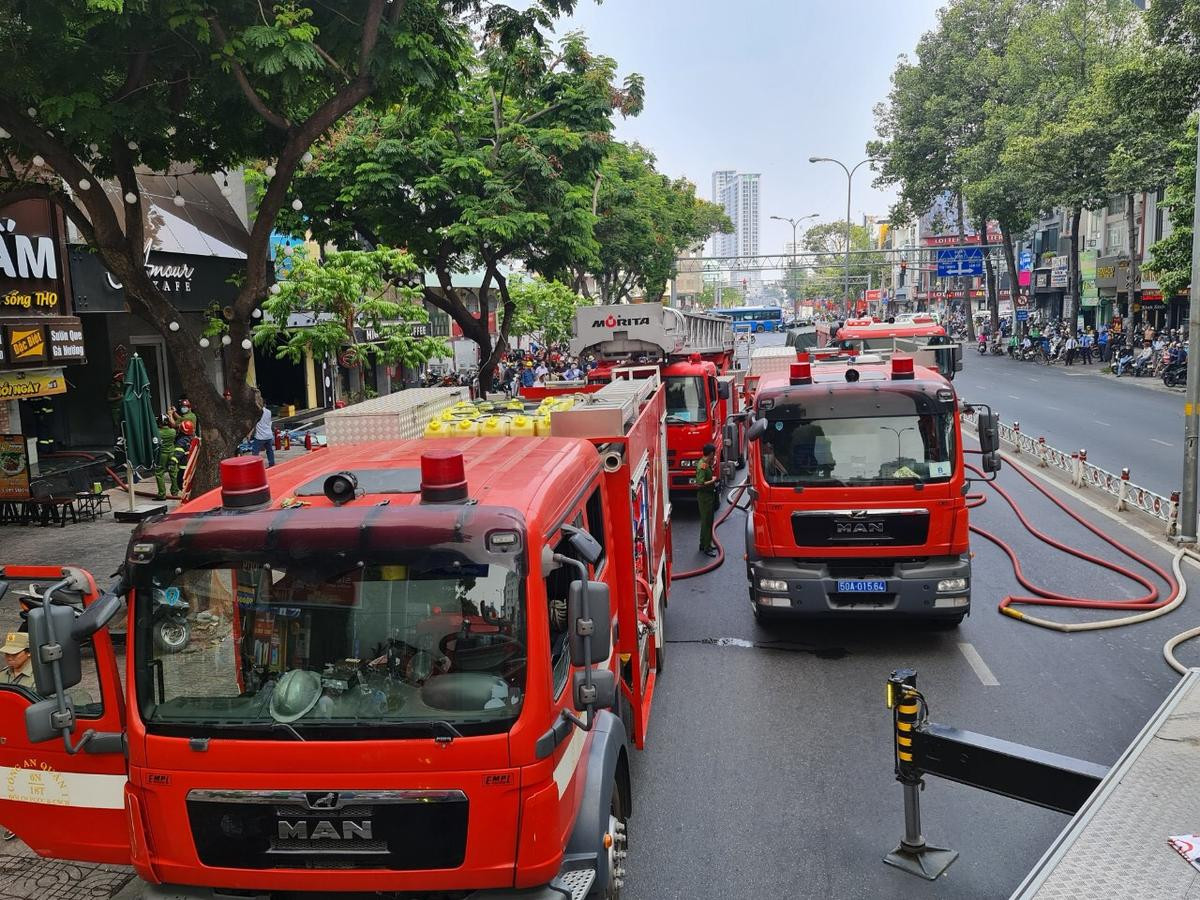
(1014, 397)
(977, 663)
(1055, 408)
(1164, 443)
(1105, 424)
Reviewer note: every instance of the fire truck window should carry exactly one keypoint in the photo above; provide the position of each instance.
(334, 646)
(685, 399)
(558, 586)
(595, 523)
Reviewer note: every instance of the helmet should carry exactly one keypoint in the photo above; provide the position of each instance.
(295, 695)
(188, 426)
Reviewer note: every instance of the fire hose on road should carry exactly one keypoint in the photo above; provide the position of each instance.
(732, 498)
(1149, 605)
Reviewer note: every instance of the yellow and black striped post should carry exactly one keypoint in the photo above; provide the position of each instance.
(913, 854)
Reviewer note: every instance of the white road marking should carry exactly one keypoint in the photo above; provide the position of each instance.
(1055, 408)
(1164, 443)
(1105, 424)
(977, 663)
(1014, 397)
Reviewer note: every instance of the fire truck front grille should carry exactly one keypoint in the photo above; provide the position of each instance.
(398, 830)
(860, 528)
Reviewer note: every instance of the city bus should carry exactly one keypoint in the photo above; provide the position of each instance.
(759, 318)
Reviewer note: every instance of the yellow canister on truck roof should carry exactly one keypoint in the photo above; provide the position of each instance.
(466, 428)
(437, 429)
(494, 426)
(542, 426)
(521, 426)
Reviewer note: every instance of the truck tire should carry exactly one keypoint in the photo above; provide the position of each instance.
(660, 650)
(618, 853)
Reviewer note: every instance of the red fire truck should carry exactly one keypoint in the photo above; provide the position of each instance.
(415, 666)
(858, 488)
(692, 352)
(919, 335)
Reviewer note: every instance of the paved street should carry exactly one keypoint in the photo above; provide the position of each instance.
(773, 753)
(1120, 422)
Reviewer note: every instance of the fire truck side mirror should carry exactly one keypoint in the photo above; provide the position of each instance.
(988, 426)
(56, 636)
(584, 544)
(589, 617)
(601, 694)
(990, 462)
(723, 389)
(956, 360)
(730, 439)
(757, 430)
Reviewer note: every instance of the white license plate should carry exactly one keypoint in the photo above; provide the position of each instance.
(855, 586)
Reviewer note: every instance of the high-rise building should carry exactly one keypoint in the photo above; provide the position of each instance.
(738, 194)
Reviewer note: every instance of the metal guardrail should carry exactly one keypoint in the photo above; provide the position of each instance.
(1088, 475)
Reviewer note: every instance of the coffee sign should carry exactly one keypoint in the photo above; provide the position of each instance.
(33, 280)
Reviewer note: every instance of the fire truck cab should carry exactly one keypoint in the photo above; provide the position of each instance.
(415, 666)
(858, 489)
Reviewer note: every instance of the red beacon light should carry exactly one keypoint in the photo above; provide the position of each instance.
(902, 368)
(695, 358)
(443, 477)
(802, 355)
(800, 373)
(244, 482)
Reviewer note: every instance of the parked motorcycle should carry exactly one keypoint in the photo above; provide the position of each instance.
(1175, 374)
(170, 625)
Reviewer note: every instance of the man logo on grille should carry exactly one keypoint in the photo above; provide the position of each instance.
(339, 830)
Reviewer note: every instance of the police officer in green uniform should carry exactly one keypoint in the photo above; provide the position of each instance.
(166, 472)
(706, 498)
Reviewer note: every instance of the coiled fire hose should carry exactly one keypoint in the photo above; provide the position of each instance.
(732, 498)
(1146, 607)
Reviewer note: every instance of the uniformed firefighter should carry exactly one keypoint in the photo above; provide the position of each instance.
(706, 498)
(18, 670)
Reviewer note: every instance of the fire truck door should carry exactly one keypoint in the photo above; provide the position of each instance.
(62, 805)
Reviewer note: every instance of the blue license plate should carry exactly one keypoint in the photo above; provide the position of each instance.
(854, 586)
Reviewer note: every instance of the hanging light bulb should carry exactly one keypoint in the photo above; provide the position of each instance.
(174, 326)
(131, 198)
(246, 344)
(204, 343)
(4, 134)
(274, 289)
(288, 250)
(306, 158)
(170, 131)
(84, 184)
(257, 313)
(297, 205)
(178, 201)
(38, 161)
(269, 171)
(32, 111)
(226, 340)
(95, 148)
(226, 190)
(132, 145)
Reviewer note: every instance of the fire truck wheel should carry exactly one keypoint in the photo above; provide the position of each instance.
(660, 649)
(618, 853)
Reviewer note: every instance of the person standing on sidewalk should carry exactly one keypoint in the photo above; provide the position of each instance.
(1085, 348)
(706, 498)
(264, 434)
(1070, 349)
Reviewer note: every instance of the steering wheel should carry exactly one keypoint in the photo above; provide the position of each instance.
(485, 656)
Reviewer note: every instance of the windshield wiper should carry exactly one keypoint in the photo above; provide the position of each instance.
(284, 726)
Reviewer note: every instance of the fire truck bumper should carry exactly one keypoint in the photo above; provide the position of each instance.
(180, 892)
(938, 587)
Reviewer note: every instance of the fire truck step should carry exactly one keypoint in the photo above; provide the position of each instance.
(577, 881)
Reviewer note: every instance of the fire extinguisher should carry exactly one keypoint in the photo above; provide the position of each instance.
(287, 441)
(278, 439)
(308, 440)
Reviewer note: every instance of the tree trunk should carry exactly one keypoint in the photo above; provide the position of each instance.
(1010, 260)
(961, 242)
(993, 286)
(1131, 229)
(1071, 301)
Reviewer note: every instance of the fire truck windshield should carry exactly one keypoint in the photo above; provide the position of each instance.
(832, 447)
(685, 400)
(429, 642)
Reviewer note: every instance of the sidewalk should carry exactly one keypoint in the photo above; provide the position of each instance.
(1101, 370)
(99, 547)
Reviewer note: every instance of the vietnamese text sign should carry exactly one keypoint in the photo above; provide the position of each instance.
(27, 385)
(1060, 272)
(32, 260)
(14, 467)
(30, 343)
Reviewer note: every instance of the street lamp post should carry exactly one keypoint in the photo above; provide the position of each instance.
(849, 183)
(794, 223)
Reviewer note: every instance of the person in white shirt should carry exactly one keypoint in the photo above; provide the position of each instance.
(264, 434)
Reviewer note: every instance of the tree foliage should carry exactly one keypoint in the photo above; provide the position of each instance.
(644, 221)
(545, 310)
(502, 172)
(353, 303)
(825, 270)
(100, 90)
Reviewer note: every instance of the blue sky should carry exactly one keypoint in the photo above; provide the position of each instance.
(760, 86)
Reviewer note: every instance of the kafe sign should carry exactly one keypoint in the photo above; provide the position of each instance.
(33, 280)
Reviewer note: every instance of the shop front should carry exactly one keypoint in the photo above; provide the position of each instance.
(1112, 285)
(1047, 296)
(42, 348)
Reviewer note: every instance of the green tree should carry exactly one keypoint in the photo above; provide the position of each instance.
(504, 171)
(545, 310)
(826, 244)
(729, 296)
(93, 91)
(359, 306)
(1171, 258)
(644, 221)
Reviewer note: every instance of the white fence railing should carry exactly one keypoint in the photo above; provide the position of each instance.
(1088, 475)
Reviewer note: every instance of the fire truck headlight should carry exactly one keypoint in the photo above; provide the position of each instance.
(952, 585)
(772, 584)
